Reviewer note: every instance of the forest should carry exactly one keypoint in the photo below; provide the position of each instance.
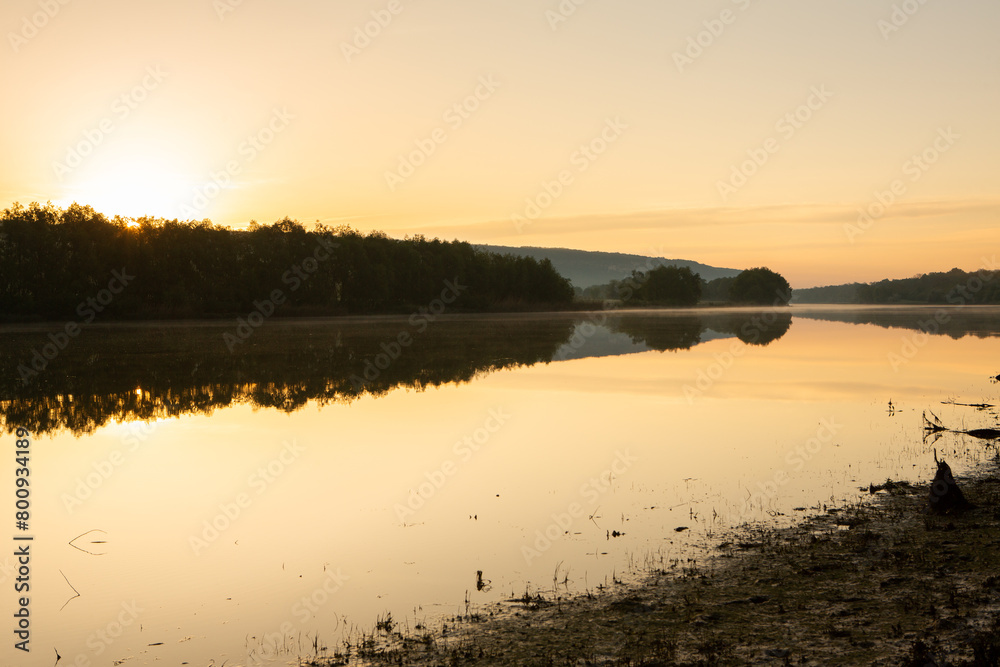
(955, 287)
(76, 263)
(673, 286)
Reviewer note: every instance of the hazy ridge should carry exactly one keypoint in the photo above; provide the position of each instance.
(585, 268)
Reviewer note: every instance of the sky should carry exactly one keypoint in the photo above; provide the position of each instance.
(832, 140)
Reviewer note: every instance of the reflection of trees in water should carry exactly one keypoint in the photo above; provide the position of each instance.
(684, 331)
(679, 332)
(145, 372)
(956, 322)
(754, 328)
(149, 372)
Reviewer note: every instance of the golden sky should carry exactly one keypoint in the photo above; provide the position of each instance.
(734, 132)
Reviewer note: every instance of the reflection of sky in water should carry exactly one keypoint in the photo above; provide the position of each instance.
(328, 518)
(590, 340)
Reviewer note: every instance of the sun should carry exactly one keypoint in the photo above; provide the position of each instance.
(133, 188)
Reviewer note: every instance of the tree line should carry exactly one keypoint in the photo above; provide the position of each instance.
(679, 286)
(955, 287)
(70, 263)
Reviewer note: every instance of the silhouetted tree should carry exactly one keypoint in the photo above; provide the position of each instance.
(662, 286)
(51, 260)
(717, 290)
(760, 286)
(956, 287)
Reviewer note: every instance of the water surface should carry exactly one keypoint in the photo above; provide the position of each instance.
(235, 505)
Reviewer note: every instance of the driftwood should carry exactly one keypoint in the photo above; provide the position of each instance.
(936, 426)
(945, 497)
(984, 433)
(978, 406)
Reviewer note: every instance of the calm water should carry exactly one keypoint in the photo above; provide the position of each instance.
(231, 506)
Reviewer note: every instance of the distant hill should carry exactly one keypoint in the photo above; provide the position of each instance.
(956, 287)
(586, 268)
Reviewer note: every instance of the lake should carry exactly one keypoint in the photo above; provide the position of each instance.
(199, 495)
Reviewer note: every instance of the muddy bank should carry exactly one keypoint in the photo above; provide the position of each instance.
(879, 583)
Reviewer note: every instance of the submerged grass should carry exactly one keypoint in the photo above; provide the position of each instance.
(879, 583)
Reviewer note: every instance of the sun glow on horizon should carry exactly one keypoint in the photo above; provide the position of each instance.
(133, 188)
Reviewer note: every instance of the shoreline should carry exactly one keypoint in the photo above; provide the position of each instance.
(575, 308)
(579, 309)
(879, 583)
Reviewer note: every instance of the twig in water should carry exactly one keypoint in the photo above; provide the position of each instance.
(979, 406)
(595, 514)
(96, 530)
(67, 601)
